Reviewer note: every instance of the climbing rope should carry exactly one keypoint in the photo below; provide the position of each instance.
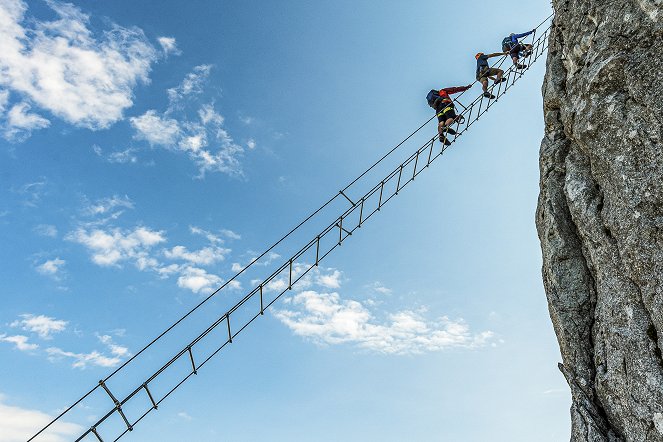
(295, 268)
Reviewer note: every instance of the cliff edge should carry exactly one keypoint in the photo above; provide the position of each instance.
(600, 213)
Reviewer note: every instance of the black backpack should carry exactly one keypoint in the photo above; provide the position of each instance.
(432, 97)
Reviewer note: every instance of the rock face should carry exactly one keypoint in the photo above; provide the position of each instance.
(600, 215)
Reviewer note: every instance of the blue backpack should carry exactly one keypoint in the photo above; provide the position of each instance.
(432, 96)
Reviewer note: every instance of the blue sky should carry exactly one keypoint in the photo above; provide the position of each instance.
(152, 149)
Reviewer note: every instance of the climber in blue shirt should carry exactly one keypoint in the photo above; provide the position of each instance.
(511, 45)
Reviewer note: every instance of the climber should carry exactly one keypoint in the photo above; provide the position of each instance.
(445, 110)
(511, 45)
(484, 72)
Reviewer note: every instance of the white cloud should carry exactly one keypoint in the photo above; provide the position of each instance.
(82, 360)
(20, 122)
(123, 156)
(4, 99)
(251, 144)
(51, 267)
(20, 341)
(191, 85)
(117, 157)
(378, 287)
(115, 349)
(156, 130)
(325, 318)
(62, 67)
(208, 115)
(46, 230)
(211, 237)
(330, 280)
(202, 137)
(106, 205)
(198, 280)
(110, 247)
(230, 234)
(185, 416)
(42, 325)
(168, 46)
(19, 424)
(204, 256)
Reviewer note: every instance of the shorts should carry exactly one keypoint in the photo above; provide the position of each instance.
(515, 51)
(487, 73)
(446, 113)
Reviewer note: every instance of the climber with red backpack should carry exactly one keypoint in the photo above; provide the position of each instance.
(511, 45)
(445, 110)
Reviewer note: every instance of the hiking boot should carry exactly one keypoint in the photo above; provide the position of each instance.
(450, 131)
(501, 80)
(521, 66)
(444, 140)
(488, 95)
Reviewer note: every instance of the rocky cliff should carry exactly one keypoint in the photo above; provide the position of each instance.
(600, 215)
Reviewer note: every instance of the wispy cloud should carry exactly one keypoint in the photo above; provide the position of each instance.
(20, 342)
(62, 67)
(21, 122)
(200, 135)
(379, 288)
(115, 349)
(95, 358)
(325, 318)
(43, 326)
(169, 46)
(32, 192)
(51, 267)
(204, 256)
(117, 157)
(83, 360)
(264, 261)
(191, 85)
(105, 206)
(47, 230)
(185, 416)
(19, 424)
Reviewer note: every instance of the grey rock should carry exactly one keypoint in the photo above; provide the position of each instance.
(600, 213)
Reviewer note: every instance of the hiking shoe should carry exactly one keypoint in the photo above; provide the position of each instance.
(501, 80)
(489, 95)
(444, 141)
(450, 131)
(521, 66)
